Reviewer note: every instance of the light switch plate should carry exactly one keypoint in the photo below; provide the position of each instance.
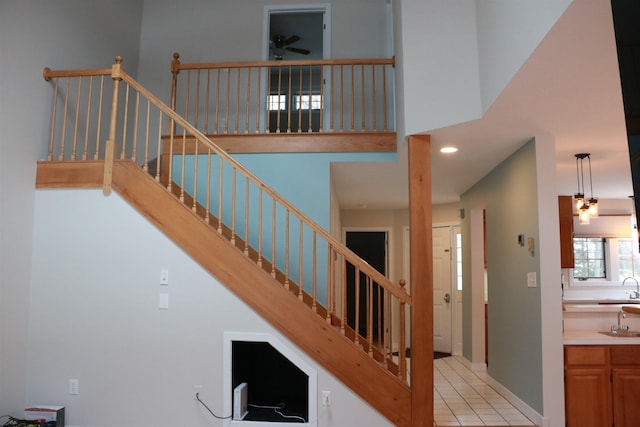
(163, 302)
(531, 279)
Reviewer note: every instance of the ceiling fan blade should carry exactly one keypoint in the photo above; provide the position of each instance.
(291, 39)
(298, 50)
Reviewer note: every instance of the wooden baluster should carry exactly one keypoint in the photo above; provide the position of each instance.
(159, 150)
(75, 126)
(314, 304)
(96, 153)
(310, 127)
(220, 167)
(247, 110)
(215, 131)
(134, 149)
(343, 301)
(207, 215)
(379, 327)
(196, 158)
(233, 207)
(331, 103)
(374, 125)
(388, 326)
(321, 109)
(286, 252)
(64, 120)
(260, 218)
(279, 93)
(88, 121)
(145, 166)
(362, 96)
(402, 372)
(207, 99)
(300, 99)
(353, 100)
(111, 142)
(183, 163)
(53, 115)
(197, 102)
(289, 101)
(246, 216)
(124, 126)
(384, 94)
(341, 98)
(226, 107)
(258, 100)
(268, 108)
(331, 283)
(273, 240)
(237, 98)
(370, 310)
(357, 305)
(300, 259)
(187, 95)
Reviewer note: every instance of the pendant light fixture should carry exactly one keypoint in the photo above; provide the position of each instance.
(587, 209)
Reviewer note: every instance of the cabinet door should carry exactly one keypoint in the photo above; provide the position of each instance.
(565, 208)
(626, 392)
(588, 397)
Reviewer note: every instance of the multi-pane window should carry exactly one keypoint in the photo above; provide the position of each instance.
(589, 258)
(277, 102)
(628, 258)
(300, 102)
(308, 102)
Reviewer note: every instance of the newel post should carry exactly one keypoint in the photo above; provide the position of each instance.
(110, 148)
(421, 259)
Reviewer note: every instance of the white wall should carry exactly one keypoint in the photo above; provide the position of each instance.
(455, 57)
(35, 34)
(508, 32)
(95, 317)
(438, 63)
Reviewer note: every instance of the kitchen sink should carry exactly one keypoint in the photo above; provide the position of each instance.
(622, 334)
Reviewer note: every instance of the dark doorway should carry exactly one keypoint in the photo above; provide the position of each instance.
(372, 247)
(278, 391)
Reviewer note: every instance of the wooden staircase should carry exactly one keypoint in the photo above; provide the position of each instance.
(265, 295)
(85, 153)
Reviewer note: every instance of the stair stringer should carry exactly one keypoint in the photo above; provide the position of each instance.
(267, 297)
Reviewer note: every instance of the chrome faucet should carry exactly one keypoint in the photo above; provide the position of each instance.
(635, 294)
(620, 327)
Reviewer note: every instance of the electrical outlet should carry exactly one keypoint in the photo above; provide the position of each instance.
(164, 277)
(197, 389)
(326, 398)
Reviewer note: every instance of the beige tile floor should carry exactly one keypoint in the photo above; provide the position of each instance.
(463, 398)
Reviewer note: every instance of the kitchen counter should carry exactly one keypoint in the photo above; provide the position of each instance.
(577, 337)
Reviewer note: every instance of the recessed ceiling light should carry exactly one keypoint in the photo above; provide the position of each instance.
(448, 150)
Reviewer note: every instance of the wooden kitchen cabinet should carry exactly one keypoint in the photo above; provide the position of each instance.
(602, 385)
(587, 386)
(565, 211)
(625, 367)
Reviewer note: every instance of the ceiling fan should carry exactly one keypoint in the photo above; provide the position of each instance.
(279, 44)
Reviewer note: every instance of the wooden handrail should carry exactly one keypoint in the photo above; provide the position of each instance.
(284, 63)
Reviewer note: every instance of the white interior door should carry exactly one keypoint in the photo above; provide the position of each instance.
(442, 289)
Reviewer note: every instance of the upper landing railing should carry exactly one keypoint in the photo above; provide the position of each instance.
(267, 97)
(104, 114)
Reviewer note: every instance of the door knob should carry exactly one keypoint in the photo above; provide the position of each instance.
(447, 298)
